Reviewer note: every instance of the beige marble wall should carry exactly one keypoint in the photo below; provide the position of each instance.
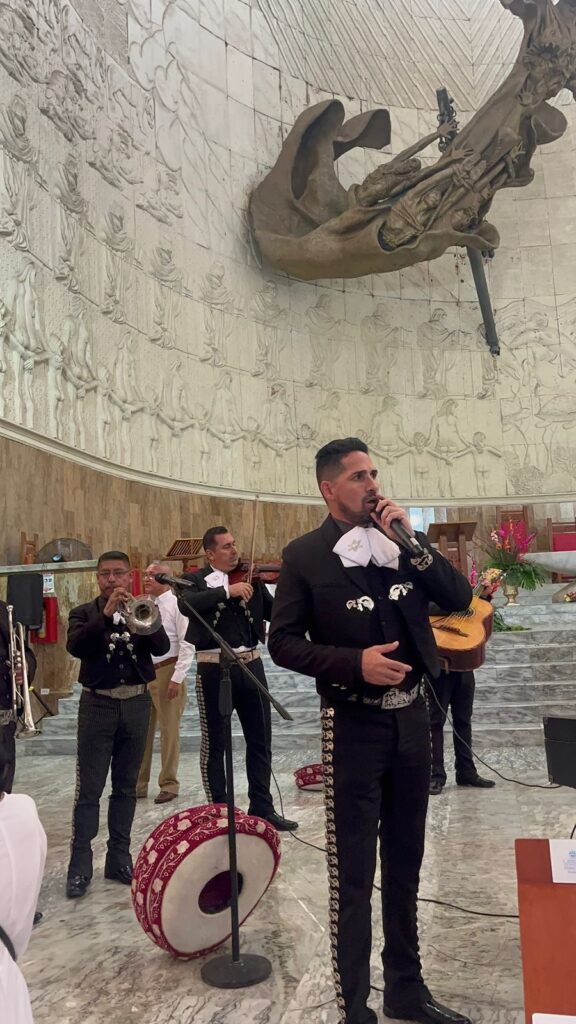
(140, 335)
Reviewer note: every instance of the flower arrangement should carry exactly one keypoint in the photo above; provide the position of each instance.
(570, 597)
(491, 578)
(506, 554)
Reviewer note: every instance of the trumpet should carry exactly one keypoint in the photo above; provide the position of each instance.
(141, 614)
(19, 676)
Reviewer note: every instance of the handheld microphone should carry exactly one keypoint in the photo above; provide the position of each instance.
(405, 539)
(172, 581)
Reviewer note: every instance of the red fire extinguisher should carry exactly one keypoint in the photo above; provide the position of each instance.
(48, 632)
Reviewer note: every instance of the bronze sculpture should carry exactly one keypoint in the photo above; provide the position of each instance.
(309, 226)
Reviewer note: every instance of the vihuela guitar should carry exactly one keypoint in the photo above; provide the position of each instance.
(461, 636)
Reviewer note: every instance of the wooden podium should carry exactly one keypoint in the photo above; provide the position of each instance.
(451, 539)
(547, 932)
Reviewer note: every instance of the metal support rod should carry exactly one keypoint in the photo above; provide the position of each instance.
(479, 274)
(447, 115)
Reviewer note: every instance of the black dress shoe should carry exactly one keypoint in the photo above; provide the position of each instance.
(76, 886)
(279, 823)
(38, 915)
(122, 874)
(427, 1012)
(475, 780)
(436, 787)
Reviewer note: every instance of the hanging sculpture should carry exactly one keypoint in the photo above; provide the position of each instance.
(309, 226)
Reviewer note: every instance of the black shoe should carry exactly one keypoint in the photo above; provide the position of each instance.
(279, 823)
(475, 780)
(122, 874)
(428, 1011)
(38, 915)
(76, 886)
(370, 1018)
(436, 787)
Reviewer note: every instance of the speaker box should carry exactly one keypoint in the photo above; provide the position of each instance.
(560, 744)
(25, 593)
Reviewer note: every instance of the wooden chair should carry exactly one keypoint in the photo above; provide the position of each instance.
(561, 537)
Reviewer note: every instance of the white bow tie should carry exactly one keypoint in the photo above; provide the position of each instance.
(364, 544)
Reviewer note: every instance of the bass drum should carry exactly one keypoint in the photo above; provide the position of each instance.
(181, 879)
(311, 776)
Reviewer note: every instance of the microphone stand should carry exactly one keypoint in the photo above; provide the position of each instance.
(233, 971)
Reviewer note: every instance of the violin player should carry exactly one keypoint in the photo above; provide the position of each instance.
(238, 609)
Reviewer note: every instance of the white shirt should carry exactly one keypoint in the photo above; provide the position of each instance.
(175, 625)
(22, 856)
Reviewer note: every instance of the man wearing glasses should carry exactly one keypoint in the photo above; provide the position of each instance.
(115, 669)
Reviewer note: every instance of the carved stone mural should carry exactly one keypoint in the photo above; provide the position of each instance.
(136, 324)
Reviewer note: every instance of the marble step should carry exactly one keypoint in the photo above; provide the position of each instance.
(530, 672)
(535, 635)
(531, 653)
(522, 693)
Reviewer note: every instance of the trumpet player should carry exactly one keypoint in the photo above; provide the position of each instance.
(116, 666)
(11, 676)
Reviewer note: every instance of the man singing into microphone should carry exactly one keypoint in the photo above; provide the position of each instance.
(351, 609)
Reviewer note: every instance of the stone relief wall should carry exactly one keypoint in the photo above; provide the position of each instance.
(135, 323)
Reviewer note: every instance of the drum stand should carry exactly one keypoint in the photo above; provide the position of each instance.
(238, 970)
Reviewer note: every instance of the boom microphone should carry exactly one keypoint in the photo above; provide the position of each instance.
(172, 581)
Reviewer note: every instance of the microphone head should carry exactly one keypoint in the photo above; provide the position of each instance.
(161, 577)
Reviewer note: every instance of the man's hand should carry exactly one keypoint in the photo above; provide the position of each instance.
(118, 595)
(386, 510)
(380, 670)
(242, 590)
(173, 690)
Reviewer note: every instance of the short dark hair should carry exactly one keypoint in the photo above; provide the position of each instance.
(209, 538)
(329, 458)
(113, 556)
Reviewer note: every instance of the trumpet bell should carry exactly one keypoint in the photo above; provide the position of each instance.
(142, 615)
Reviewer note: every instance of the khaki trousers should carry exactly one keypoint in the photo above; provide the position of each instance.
(166, 713)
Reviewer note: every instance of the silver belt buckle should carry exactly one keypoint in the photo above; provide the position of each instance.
(391, 700)
(123, 692)
(399, 698)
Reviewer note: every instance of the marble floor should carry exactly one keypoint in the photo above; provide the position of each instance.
(89, 962)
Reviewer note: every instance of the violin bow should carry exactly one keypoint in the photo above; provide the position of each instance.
(253, 541)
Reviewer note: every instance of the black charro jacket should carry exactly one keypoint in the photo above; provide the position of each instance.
(237, 622)
(89, 633)
(317, 628)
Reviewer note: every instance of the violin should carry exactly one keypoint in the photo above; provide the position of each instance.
(252, 572)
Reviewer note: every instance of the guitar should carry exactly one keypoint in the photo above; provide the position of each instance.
(461, 636)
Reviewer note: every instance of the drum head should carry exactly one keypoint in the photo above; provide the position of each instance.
(181, 879)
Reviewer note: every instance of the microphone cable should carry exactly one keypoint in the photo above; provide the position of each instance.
(516, 782)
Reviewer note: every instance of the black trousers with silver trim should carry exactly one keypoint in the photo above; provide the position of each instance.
(377, 777)
(253, 710)
(111, 736)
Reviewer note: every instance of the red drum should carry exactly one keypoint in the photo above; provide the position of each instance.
(181, 879)
(311, 776)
